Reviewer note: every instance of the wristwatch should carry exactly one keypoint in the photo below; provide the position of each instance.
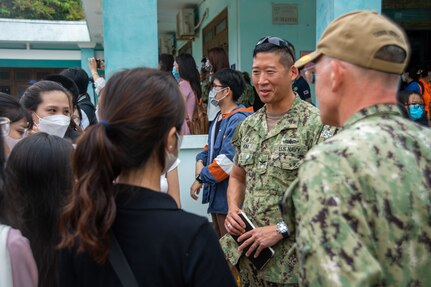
(282, 229)
(199, 179)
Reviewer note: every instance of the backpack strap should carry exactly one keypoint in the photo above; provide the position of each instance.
(120, 264)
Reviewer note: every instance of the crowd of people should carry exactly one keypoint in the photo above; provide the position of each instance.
(337, 195)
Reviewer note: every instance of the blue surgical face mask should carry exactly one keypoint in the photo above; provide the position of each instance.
(415, 112)
(175, 74)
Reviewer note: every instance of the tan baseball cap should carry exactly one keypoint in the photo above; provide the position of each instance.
(356, 37)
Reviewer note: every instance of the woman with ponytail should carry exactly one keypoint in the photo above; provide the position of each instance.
(116, 196)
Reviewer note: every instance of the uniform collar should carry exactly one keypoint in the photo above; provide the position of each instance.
(379, 109)
(288, 121)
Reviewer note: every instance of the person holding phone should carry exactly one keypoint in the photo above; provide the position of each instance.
(270, 146)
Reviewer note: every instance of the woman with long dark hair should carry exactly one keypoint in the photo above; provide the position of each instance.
(17, 265)
(189, 82)
(116, 205)
(37, 181)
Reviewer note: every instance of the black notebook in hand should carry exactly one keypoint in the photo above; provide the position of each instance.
(264, 256)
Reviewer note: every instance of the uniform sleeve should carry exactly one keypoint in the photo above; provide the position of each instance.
(332, 233)
(219, 169)
(236, 142)
(206, 264)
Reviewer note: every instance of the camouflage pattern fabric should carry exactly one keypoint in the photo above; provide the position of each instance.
(247, 97)
(250, 277)
(206, 87)
(362, 204)
(271, 161)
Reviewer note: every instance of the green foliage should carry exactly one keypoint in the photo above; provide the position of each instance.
(42, 9)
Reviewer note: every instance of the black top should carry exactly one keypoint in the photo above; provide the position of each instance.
(301, 86)
(164, 246)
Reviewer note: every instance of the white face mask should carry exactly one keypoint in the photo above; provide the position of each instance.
(212, 98)
(170, 158)
(55, 125)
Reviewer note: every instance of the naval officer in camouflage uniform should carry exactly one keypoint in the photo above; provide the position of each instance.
(271, 144)
(363, 199)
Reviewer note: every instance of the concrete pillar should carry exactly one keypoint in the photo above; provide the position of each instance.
(130, 34)
(328, 10)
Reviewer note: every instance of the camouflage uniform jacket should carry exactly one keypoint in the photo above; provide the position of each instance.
(271, 161)
(363, 204)
(247, 96)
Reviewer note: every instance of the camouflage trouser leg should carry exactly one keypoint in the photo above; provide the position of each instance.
(249, 276)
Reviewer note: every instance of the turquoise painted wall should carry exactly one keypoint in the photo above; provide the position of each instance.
(9, 63)
(328, 10)
(245, 29)
(252, 28)
(85, 54)
(130, 34)
(214, 7)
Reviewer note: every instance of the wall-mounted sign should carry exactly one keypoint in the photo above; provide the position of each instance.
(285, 14)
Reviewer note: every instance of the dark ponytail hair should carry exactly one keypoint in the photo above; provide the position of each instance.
(139, 108)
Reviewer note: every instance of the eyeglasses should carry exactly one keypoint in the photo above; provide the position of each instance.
(309, 73)
(279, 43)
(416, 105)
(5, 126)
(218, 86)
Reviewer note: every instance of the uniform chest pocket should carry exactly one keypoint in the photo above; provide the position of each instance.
(289, 157)
(245, 158)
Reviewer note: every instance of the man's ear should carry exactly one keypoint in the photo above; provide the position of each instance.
(338, 73)
(295, 72)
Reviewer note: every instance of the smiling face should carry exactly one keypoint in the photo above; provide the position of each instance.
(272, 80)
(53, 103)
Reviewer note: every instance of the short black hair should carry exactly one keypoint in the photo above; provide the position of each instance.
(232, 79)
(166, 62)
(285, 56)
(79, 76)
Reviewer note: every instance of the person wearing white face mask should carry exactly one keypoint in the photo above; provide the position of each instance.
(19, 120)
(116, 203)
(50, 106)
(213, 165)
